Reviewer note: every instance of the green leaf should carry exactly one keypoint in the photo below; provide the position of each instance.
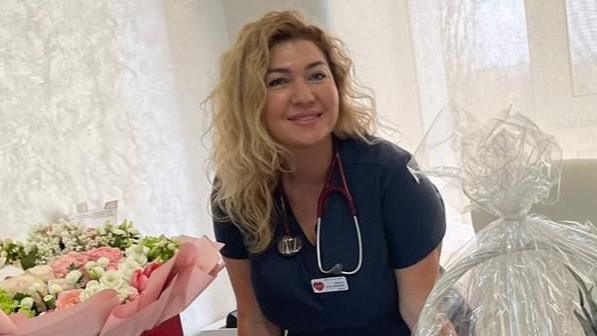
(29, 260)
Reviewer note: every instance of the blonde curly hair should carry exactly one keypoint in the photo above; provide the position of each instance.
(247, 160)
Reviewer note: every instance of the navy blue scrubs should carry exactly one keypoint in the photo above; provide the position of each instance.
(401, 222)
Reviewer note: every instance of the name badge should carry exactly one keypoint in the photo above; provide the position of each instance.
(326, 285)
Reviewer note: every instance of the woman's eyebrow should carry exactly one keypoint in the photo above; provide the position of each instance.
(286, 70)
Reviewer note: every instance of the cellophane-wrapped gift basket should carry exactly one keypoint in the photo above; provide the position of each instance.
(523, 274)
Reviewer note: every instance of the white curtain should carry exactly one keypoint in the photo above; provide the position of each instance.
(101, 100)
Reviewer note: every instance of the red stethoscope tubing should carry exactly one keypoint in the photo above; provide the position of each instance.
(289, 245)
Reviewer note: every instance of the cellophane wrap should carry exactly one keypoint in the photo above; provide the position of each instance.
(523, 274)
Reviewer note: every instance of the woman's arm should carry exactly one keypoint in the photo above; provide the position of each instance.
(251, 321)
(414, 285)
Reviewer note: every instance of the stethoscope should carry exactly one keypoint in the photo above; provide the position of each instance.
(289, 245)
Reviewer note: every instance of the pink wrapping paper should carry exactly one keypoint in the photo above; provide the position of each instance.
(170, 289)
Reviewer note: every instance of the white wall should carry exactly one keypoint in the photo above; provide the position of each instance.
(378, 37)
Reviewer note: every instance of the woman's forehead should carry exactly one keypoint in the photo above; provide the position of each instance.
(295, 53)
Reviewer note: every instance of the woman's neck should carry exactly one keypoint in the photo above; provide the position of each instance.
(310, 164)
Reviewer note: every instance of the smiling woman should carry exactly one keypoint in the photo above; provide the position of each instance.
(314, 210)
(302, 98)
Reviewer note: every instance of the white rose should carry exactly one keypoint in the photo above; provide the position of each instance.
(128, 267)
(134, 250)
(103, 262)
(141, 259)
(112, 279)
(73, 276)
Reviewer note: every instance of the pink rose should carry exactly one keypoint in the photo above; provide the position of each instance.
(68, 298)
(141, 277)
(64, 264)
(113, 254)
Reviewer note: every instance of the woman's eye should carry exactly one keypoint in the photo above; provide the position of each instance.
(318, 76)
(277, 82)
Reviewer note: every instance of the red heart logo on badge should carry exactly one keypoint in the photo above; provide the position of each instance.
(318, 286)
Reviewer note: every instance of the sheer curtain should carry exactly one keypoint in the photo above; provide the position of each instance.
(101, 100)
(483, 55)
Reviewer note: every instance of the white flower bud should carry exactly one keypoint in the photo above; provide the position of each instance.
(103, 262)
(134, 250)
(73, 276)
(96, 272)
(171, 246)
(26, 303)
(89, 265)
(54, 289)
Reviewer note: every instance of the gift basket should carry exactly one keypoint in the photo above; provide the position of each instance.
(70, 279)
(523, 274)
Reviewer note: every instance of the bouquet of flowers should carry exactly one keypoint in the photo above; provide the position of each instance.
(108, 280)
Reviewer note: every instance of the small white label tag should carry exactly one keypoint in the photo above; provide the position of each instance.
(96, 217)
(326, 285)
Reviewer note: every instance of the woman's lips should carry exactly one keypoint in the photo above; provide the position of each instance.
(306, 118)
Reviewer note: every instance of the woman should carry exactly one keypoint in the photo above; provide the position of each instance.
(289, 127)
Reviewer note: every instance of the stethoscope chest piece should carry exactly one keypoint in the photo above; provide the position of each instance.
(290, 245)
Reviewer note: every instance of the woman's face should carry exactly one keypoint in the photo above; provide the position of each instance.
(302, 98)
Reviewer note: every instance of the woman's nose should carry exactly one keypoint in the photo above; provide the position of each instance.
(303, 93)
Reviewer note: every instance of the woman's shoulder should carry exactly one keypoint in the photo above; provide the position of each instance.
(373, 151)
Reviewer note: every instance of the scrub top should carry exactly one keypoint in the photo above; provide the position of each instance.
(401, 220)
